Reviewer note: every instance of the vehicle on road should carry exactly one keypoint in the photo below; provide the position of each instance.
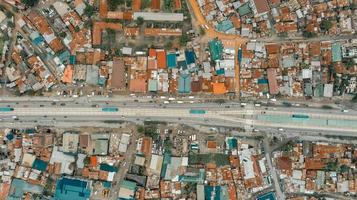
(195, 111)
(110, 109)
(345, 111)
(6, 109)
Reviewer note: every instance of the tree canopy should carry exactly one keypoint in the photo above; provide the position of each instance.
(29, 3)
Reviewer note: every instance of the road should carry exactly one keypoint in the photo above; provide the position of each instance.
(229, 114)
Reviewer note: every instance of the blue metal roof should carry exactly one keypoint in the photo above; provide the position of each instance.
(108, 168)
(190, 57)
(39, 165)
(171, 60)
(184, 84)
(72, 189)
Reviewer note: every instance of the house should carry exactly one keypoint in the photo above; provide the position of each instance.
(118, 80)
(68, 188)
(70, 142)
(261, 7)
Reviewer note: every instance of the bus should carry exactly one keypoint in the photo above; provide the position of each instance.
(110, 109)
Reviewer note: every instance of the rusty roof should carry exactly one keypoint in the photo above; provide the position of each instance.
(162, 32)
(118, 74)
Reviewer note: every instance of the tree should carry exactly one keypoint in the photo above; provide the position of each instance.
(89, 10)
(29, 3)
(354, 99)
(325, 25)
(202, 31)
(145, 4)
(140, 21)
(308, 34)
(113, 4)
(140, 129)
(168, 45)
(184, 39)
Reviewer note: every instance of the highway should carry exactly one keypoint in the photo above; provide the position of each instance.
(81, 111)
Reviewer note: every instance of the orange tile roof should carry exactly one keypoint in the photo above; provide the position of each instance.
(93, 161)
(4, 190)
(115, 15)
(162, 32)
(262, 6)
(146, 146)
(56, 45)
(161, 59)
(315, 49)
(103, 8)
(118, 74)
(128, 15)
(272, 48)
(219, 88)
(16, 57)
(155, 4)
(68, 74)
(152, 53)
(98, 27)
(236, 21)
(128, 31)
(177, 4)
(136, 5)
(315, 164)
(79, 39)
(138, 85)
(211, 144)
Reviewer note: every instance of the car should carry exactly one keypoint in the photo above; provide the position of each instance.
(42, 105)
(62, 104)
(345, 111)
(280, 129)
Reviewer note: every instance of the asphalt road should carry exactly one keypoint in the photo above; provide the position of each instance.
(45, 112)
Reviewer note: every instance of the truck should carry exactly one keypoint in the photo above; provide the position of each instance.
(300, 116)
(6, 109)
(110, 109)
(195, 111)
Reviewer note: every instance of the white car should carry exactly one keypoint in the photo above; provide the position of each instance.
(345, 111)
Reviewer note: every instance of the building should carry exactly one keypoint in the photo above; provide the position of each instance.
(68, 188)
(118, 80)
(70, 142)
(152, 16)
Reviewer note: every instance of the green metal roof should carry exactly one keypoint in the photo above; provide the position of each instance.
(128, 185)
(216, 49)
(244, 9)
(152, 85)
(336, 52)
(224, 26)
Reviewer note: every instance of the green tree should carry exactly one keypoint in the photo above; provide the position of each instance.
(184, 39)
(140, 21)
(202, 31)
(140, 129)
(145, 4)
(354, 99)
(113, 4)
(309, 34)
(325, 25)
(168, 45)
(89, 10)
(29, 3)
